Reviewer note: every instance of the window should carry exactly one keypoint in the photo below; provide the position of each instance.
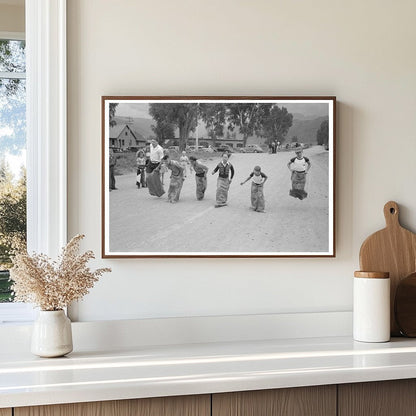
(12, 166)
(46, 135)
(13, 154)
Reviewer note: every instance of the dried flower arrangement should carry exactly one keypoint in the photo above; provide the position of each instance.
(53, 285)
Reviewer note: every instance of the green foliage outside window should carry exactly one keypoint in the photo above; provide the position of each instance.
(12, 145)
(12, 223)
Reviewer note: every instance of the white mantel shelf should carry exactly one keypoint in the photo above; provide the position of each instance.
(151, 371)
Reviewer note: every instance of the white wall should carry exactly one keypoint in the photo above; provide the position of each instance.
(361, 51)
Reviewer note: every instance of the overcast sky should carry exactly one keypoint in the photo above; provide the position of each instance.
(133, 110)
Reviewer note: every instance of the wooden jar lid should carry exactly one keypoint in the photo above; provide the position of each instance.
(372, 275)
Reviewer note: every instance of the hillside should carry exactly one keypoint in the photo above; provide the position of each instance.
(305, 129)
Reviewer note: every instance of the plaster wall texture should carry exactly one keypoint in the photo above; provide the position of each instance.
(12, 18)
(361, 52)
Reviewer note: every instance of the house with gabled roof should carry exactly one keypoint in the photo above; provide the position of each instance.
(123, 137)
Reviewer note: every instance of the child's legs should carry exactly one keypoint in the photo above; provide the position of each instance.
(261, 203)
(201, 186)
(223, 185)
(257, 197)
(178, 189)
(253, 195)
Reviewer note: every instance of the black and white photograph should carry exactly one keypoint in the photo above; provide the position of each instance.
(218, 176)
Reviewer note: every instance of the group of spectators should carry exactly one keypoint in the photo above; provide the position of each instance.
(274, 146)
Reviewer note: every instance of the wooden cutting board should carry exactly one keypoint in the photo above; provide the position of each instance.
(405, 306)
(393, 250)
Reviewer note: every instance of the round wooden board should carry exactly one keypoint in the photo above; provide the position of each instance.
(405, 306)
(393, 250)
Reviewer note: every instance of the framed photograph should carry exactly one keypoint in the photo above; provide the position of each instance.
(218, 176)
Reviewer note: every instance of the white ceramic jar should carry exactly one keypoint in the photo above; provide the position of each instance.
(371, 309)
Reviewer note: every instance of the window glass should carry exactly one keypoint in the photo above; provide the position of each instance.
(12, 156)
(12, 56)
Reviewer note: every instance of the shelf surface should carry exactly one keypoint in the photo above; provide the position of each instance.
(152, 371)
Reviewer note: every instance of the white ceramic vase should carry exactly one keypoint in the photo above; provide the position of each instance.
(52, 334)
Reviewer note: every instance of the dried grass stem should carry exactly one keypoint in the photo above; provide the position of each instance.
(53, 285)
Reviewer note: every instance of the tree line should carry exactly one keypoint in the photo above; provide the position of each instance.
(12, 223)
(322, 135)
(265, 120)
(12, 213)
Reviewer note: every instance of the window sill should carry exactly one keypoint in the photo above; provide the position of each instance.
(16, 313)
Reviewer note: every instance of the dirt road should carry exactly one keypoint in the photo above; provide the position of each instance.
(140, 223)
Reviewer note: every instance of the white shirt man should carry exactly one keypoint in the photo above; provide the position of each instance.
(156, 152)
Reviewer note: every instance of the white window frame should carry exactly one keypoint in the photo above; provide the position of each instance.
(46, 133)
(14, 312)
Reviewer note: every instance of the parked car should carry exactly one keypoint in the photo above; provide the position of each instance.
(225, 148)
(116, 149)
(133, 149)
(252, 148)
(193, 148)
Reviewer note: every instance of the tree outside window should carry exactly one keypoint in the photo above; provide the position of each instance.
(12, 156)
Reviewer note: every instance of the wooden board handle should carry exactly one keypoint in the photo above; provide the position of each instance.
(391, 214)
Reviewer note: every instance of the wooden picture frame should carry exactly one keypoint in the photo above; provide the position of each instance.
(291, 139)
